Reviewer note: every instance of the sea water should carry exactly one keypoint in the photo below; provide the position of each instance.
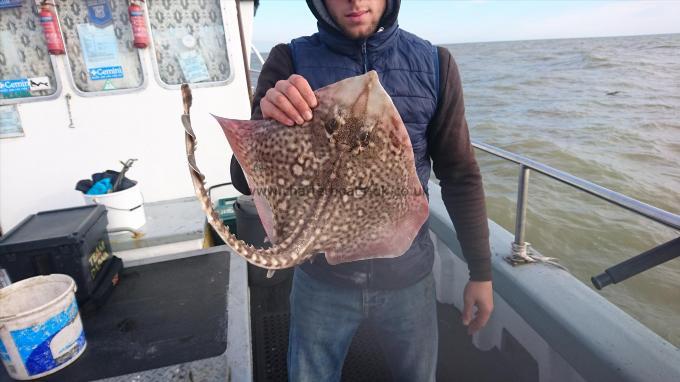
(606, 110)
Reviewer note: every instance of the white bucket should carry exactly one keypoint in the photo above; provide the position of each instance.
(125, 209)
(40, 327)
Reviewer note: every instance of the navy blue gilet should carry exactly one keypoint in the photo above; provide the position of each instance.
(408, 69)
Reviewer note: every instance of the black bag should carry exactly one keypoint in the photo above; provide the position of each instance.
(105, 283)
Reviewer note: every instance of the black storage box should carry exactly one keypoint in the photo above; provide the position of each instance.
(71, 241)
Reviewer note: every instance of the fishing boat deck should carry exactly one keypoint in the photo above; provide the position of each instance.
(194, 315)
(165, 313)
(168, 318)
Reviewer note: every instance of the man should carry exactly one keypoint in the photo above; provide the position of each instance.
(397, 295)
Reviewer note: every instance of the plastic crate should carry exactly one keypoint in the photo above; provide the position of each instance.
(225, 208)
(70, 241)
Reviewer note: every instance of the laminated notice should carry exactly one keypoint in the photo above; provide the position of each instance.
(100, 52)
(193, 66)
(10, 127)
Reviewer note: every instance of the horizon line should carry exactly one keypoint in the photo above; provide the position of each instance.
(525, 39)
(560, 38)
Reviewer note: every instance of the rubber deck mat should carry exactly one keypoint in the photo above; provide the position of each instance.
(160, 314)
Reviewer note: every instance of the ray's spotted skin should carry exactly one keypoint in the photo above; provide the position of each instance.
(343, 184)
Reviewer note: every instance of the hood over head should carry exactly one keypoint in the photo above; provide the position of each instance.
(324, 18)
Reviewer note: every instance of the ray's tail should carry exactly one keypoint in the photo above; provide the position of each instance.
(295, 249)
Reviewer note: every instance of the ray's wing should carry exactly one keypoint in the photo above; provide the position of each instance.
(347, 178)
(378, 204)
(381, 208)
(282, 165)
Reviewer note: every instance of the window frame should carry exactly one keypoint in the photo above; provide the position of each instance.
(196, 85)
(57, 92)
(99, 93)
(57, 79)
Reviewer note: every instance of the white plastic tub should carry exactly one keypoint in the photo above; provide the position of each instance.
(125, 209)
(40, 327)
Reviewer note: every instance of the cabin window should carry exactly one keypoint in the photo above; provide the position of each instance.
(189, 41)
(98, 40)
(26, 68)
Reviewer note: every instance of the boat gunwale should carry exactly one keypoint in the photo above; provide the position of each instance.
(598, 339)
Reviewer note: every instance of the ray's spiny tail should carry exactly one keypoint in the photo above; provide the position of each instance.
(286, 254)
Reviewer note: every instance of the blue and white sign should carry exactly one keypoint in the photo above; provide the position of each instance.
(100, 52)
(15, 86)
(193, 66)
(11, 3)
(106, 73)
(99, 12)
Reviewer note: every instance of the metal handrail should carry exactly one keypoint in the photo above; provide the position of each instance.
(658, 215)
(612, 275)
(257, 54)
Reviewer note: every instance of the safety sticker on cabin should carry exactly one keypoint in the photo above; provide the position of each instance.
(10, 3)
(100, 52)
(10, 127)
(193, 66)
(108, 85)
(39, 83)
(14, 86)
(106, 73)
(99, 12)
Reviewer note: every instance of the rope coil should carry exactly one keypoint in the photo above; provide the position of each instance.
(524, 254)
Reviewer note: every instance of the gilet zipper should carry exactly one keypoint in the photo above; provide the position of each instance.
(364, 55)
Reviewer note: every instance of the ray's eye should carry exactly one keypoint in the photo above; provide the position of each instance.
(331, 126)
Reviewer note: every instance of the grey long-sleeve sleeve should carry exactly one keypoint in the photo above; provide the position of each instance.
(455, 166)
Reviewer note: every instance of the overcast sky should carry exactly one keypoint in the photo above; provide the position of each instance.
(457, 21)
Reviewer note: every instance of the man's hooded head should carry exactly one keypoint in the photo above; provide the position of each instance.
(357, 19)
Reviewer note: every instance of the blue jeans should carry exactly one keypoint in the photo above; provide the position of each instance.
(325, 317)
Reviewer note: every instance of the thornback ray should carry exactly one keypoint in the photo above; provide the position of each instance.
(343, 184)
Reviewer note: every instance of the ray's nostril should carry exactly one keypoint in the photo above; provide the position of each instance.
(363, 137)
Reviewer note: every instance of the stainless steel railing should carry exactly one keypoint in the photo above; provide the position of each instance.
(620, 272)
(256, 71)
(656, 214)
(257, 54)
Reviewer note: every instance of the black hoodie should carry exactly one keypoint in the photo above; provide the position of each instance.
(324, 19)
